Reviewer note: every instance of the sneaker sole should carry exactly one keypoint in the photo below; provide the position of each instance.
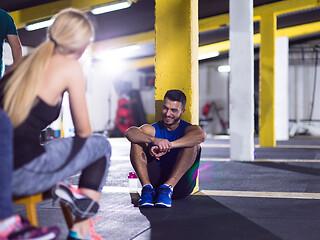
(49, 236)
(146, 205)
(162, 205)
(83, 208)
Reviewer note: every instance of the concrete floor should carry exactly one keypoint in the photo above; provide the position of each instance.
(275, 197)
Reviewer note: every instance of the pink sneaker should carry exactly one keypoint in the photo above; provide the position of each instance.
(22, 229)
(80, 205)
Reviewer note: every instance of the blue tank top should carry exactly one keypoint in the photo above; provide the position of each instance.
(161, 132)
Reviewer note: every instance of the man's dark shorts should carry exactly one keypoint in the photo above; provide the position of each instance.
(159, 174)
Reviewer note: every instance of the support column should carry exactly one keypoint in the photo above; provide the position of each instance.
(176, 65)
(241, 80)
(282, 89)
(268, 26)
(298, 101)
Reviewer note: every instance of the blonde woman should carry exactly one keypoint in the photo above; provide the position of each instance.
(31, 96)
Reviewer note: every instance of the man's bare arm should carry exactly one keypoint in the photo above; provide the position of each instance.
(145, 134)
(194, 135)
(15, 46)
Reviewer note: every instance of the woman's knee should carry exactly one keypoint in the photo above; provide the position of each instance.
(101, 144)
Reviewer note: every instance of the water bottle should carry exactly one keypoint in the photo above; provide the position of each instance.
(133, 182)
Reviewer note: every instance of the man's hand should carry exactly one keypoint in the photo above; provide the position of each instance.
(163, 144)
(145, 134)
(156, 153)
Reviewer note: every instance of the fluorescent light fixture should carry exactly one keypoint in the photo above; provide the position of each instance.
(224, 68)
(119, 53)
(111, 7)
(39, 25)
(208, 55)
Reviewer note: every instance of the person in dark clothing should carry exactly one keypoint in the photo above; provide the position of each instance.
(8, 31)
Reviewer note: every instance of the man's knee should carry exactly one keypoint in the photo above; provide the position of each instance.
(138, 151)
(192, 153)
(197, 149)
(136, 148)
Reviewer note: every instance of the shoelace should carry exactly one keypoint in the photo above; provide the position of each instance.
(165, 191)
(74, 190)
(71, 187)
(147, 190)
(93, 233)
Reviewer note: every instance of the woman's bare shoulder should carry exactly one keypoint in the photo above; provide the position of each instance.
(68, 67)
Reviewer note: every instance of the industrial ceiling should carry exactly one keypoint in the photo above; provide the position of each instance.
(138, 21)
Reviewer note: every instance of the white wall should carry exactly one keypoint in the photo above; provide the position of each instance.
(281, 89)
(101, 99)
(148, 100)
(7, 56)
(302, 76)
(214, 88)
(301, 82)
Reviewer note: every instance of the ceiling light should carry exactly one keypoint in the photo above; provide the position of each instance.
(39, 25)
(111, 7)
(208, 55)
(224, 68)
(119, 53)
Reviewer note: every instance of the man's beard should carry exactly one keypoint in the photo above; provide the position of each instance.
(174, 121)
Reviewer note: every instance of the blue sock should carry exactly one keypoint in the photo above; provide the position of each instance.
(74, 234)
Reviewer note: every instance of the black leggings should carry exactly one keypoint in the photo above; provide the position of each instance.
(93, 174)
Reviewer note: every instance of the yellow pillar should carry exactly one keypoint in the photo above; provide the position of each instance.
(268, 27)
(176, 64)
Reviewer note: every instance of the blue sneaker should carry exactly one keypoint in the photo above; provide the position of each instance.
(147, 196)
(164, 196)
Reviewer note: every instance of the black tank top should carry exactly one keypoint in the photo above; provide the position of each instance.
(27, 135)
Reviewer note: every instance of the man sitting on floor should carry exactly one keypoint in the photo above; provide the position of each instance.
(166, 154)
